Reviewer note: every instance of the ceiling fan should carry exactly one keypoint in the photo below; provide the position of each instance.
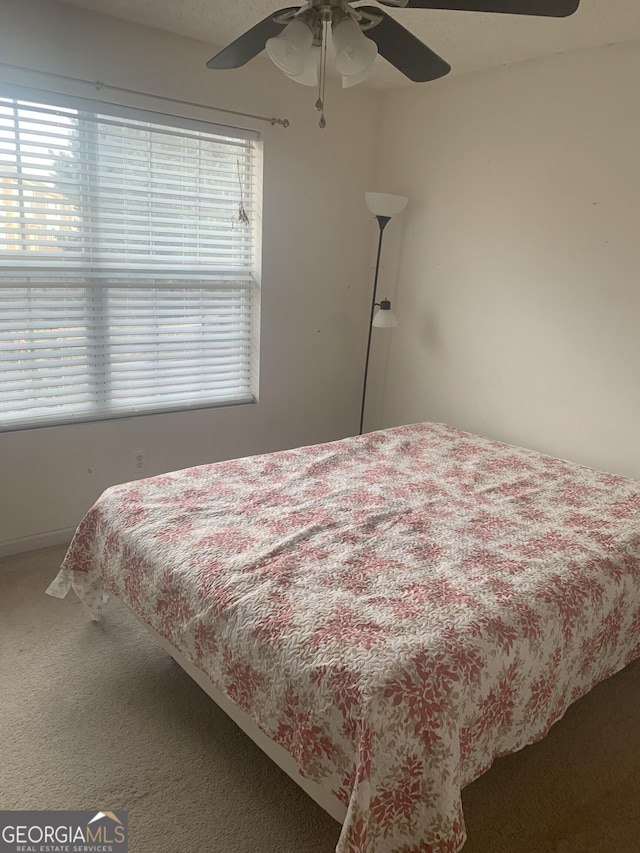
(296, 38)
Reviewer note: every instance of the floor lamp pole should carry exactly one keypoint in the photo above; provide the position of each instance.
(382, 222)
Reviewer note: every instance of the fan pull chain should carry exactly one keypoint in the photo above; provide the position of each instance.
(323, 74)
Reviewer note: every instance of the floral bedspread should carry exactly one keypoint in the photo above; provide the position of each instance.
(395, 609)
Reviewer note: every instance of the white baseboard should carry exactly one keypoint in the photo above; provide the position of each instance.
(32, 543)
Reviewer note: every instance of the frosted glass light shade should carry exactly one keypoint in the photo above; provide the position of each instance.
(354, 79)
(311, 71)
(384, 318)
(289, 50)
(382, 204)
(354, 51)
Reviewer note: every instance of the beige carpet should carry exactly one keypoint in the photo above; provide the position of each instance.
(96, 716)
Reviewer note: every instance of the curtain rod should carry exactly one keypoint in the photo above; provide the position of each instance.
(97, 84)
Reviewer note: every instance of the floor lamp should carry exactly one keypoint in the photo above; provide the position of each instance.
(383, 207)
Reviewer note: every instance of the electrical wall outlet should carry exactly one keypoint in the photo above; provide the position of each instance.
(138, 460)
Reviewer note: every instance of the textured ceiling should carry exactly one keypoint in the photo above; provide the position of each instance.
(468, 41)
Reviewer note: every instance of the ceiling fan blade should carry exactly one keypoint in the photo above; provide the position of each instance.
(251, 43)
(544, 8)
(402, 49)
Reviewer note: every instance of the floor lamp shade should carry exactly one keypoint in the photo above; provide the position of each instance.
(384, 318)
(383, 204)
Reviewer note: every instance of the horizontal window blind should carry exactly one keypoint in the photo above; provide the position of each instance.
(128, 264)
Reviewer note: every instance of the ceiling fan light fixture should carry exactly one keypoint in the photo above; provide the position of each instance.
(355, 53)
(355, 79)
(311, 72)
(291, 36)
(289, 50)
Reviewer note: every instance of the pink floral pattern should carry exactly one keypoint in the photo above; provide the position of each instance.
(395, 609)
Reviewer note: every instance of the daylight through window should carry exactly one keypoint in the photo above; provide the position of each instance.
(128, 264)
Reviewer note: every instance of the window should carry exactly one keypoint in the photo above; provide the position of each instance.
(128, 263)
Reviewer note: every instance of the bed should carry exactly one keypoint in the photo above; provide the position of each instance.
(385, 614)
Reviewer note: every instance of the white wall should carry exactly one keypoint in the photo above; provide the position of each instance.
(315, 275)
(519, 294)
